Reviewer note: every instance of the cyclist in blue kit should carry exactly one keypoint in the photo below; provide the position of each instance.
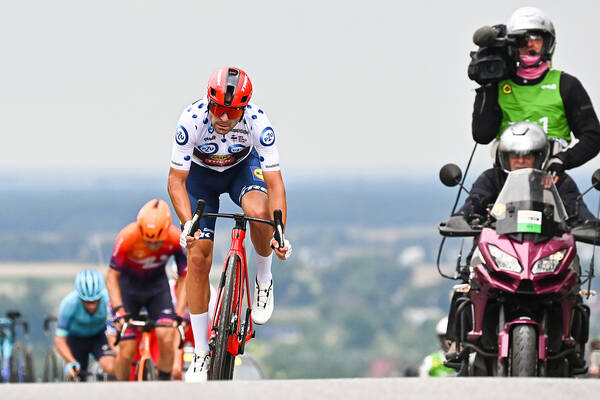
(225, 144)
(82, 319)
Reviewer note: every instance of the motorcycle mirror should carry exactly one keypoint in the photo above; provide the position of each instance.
(450, 175)
(596, 179)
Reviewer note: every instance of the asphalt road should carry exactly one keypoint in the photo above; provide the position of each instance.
(346, 389)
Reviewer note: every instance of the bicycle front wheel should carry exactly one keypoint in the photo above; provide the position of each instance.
(148, 370)
(221, 363)
(52, 370)
(21, 364)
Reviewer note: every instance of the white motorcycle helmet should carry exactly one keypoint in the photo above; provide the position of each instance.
(532, 19)
(523, 138)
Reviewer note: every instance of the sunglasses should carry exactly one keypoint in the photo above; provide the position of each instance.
(232, 113)
(523, 39)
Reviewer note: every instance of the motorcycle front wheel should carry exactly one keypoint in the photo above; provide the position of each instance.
(523, 351)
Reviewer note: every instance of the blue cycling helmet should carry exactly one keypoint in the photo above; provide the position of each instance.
(89, 285)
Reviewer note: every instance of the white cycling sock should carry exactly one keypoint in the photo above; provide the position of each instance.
(263, 273)
(200, 331)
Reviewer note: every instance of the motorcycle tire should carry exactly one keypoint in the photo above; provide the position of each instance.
(221, 363)
(523, 351)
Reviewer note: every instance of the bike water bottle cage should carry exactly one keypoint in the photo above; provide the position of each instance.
(218, 110)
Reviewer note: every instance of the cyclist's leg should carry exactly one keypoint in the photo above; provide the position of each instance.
(160, 309)
(80, 348)
(103, 353)
(202, 183)
(128, 343)
(248, 190)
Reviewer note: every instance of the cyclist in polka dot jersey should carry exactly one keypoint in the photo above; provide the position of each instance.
(225, 144)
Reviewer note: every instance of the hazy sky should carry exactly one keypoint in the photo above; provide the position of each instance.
(352, 88)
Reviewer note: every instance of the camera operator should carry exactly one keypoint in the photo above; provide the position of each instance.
(513, 65)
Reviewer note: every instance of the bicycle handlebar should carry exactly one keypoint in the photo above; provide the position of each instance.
(277, 221)
(149, 324)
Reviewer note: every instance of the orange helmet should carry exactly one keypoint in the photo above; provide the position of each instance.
(230, 87)
(154, 220)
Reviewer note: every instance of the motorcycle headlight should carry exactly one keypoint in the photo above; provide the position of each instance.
(504, 261)
(549, 263)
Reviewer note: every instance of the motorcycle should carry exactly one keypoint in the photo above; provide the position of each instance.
(520, 310)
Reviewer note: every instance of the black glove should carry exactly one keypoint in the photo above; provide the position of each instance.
(555, 166)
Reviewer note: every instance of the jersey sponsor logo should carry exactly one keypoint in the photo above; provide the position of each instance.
(209, 148)
(267, 136)
(236, 148)
(244, 131)
(176, 163)
(151, 262)
(209, 138)
(549, 87)
(272, 165)
(220, 160)
(506, 89)
(181, 135)
(258, 173)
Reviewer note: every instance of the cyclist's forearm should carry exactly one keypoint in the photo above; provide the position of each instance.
(181, 296)
(63, 348)
(276, 190)
(112, 285)
(178, 194)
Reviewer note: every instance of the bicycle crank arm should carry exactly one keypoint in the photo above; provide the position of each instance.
(246, 328)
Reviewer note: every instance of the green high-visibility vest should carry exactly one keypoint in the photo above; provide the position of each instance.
(539, 103)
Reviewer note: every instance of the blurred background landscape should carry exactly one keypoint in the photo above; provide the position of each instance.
(360, 296)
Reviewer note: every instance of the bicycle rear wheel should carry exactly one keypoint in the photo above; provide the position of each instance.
(221, 363)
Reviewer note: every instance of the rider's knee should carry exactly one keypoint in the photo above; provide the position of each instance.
(198, 262)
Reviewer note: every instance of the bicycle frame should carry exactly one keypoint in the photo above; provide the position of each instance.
(144, 345)
(238, 331)
(244, 330)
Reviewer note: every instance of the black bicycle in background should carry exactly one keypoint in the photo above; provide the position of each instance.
(16, 358)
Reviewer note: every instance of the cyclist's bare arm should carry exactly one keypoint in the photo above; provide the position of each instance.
(180, 295)
(178, 194)
(276, 190)
(63, 348)
(277, 200)
(112, 285)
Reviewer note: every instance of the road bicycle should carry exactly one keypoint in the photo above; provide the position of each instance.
(232, 327)
(145, 369)
(54, 364)
(16, 359)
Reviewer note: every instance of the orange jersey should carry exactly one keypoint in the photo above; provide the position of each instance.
(131, 256)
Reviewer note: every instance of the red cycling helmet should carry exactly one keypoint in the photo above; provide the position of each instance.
(230, 87)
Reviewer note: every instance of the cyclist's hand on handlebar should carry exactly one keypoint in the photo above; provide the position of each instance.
(187, 227)
(72, 369)
(284, 252)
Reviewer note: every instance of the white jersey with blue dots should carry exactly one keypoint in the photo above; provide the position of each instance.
(196, 140)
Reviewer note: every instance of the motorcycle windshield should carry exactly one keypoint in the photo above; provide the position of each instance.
(529, 203)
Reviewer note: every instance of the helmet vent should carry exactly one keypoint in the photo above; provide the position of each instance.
(213, 92)
(229, 94)
(156, 204)
(233, 72)
(244, 99)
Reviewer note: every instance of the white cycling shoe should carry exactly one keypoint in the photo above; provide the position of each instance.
(197, 371)
(262, 305)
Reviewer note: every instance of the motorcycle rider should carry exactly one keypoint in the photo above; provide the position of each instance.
(552, 98)
(522, 145)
